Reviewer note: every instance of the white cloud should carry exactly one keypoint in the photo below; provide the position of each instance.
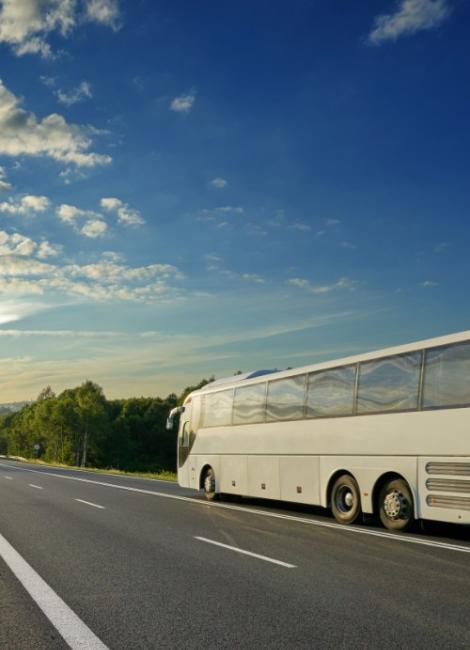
(16, 244)
(75, 95)
(28, 204)
(105, 12)
(411, 16)
(109, 272)
(183, 104)
(4, 184)
(23, 134)
(342, 283)
(94, 228)
(429, 284)
(46, 249)
(86, 222)
(219, 183)
(17, 266)
(103, 281)
(25, 25)
(70, 214)
(126, 215)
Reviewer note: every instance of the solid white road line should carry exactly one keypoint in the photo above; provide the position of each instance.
(88, 503)
(239, 550)
(36, 487)
(66, 622)
(395, 537)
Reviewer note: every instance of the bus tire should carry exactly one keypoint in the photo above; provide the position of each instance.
(396, 505)
(208, 484)
(345, 500)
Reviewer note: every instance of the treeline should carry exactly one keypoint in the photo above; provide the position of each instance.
(81, 427)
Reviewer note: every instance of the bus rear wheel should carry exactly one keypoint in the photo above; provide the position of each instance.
(208, 484)
(396, 505)
(345, 500)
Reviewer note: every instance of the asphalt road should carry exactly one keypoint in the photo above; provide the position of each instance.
(146, 564)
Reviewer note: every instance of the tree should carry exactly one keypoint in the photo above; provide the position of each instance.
(91, 405)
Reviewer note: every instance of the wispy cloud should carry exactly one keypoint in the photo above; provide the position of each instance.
(25, 25)
(429, 284)
(4, 184)
(74, 95)
(23, 134)
(105, 12)
(342, 283)
(410, 17)
(219, 183)
(183, 103)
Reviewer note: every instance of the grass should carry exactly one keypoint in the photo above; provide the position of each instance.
(164, 475)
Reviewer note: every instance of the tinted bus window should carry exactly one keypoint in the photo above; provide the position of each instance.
(389, 384)
(217, 409)
(249, 404)
(286, 398)
(447, 376)
(331, 392)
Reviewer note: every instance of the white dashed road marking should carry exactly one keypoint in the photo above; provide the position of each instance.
(239, 550)
(66, 622)
(88, 503)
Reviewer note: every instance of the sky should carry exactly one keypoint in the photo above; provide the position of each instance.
(195, 188)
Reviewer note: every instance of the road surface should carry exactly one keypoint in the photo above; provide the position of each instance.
(96, 561)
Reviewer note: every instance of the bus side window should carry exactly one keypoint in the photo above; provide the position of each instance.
(249, 404)
(389, 384)
(217, 409)
(286, 399)
(447, 376)
(330, 392)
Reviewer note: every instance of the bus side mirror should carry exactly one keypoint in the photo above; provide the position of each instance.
(170, 422)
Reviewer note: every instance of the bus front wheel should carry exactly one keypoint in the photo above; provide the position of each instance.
(345, 500)
(208, 484)
(396, 505)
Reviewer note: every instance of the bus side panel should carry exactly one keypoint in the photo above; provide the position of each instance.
(300, 479)
(234, 475)
(263, 477)
(367, 470)
(444, 488)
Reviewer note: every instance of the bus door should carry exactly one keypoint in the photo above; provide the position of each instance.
(183, 451)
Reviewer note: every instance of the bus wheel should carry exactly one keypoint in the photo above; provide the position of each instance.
(345, 500)
(209, 484)
(396, 505)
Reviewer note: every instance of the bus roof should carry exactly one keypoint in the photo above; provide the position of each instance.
(251, 377)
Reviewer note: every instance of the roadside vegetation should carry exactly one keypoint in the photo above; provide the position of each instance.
(81, 428)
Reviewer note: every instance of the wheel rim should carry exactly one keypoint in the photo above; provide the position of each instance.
(396, 505)
(345, 499)
(209, 483)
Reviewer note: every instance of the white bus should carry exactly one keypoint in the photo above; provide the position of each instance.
(384, 433)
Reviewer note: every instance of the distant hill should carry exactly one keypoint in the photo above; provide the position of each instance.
(12, 407)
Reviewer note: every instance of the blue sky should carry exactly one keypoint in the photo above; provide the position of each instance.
(190, 189)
